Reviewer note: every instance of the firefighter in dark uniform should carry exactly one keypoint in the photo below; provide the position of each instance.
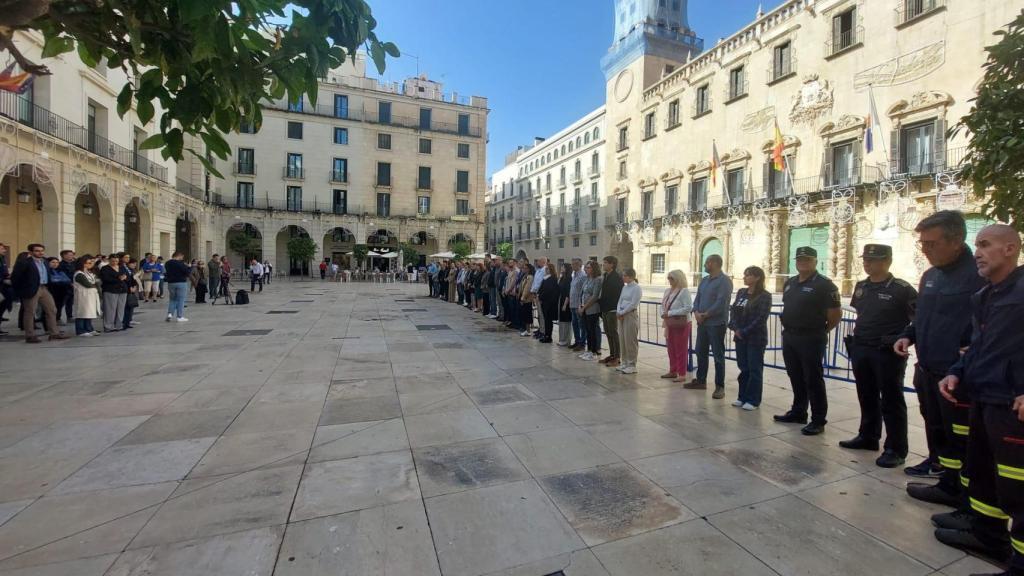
(993, 371)
(885, 306)
(941, 329)
(811, 309)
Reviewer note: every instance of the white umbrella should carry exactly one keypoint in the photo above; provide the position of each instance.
(443, 255)
(388, 255)
(477, 256)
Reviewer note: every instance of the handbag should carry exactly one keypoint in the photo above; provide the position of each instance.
(676, 321)
(132, 301)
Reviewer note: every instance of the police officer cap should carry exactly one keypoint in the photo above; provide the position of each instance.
(877, 251)
(806, 252)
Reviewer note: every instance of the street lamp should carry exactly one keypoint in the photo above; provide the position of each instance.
(87, 208)
(24, 196)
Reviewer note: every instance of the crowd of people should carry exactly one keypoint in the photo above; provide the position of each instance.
(106, 289)
(963, 323)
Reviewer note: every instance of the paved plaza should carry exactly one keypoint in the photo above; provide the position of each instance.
(365, 429)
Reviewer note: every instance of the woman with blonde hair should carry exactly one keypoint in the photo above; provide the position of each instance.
(676, 306)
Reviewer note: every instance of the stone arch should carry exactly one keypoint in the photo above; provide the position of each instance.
(186, 234)
(337, 246)
(246, 229)
(294, 267)
(138, 228)
(30, 211)
(460, 237)
(520, 254)
(425, 243)
(94, 220)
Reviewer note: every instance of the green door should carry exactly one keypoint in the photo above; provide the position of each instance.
(814, 236)
(712, 246)
(975, 222)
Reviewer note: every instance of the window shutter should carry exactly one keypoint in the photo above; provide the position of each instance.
(692, 202)
(766, 182)
(826, 177)
(837, 33)
(858, 169)
(939, 144)
(895, 158)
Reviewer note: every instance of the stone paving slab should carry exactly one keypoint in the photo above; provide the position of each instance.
(347, 439)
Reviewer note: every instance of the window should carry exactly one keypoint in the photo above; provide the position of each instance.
(577, 172)
(657, 263)
(844, 31)
(621, 210)
(425, 145)
(586, 138)
(246, 127)
(244, 197)
(561, 242)
(917, 145)
(384, 174)
(649, 128)
(462, 181)
(561, 176)
(295, 130)
(423, 205)
(671, 198)
(340, 106)
(647, 205)
(593, 240)
(246, 162)
(294, 199)
(423, 179)
(593, 219)
(911, 9)
(734, 186)
(340, 135)
(597, 133)
(782, 61)
(622, 170)
(293, 169)
(295, 106)
(702, 100)
(673, 113)
(462, 207)
(595, 165)
(341, 202)
(383, 204)
(737, 83)
(575, 242)
(463, 124)
(340, 171)
(384, 141)
(623, 138)
(842, 168)
(778, 183)
(699, 194)
(425, 114)
(463, 150)
(384, 112)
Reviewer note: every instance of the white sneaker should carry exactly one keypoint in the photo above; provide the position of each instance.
(182, 319)
(87, 335)
(133, 323)
(737, 403)
(491, 316)
(94, 333)
(169, 317)
(563, 344)
(631, 369)
(524, 333)
(587, 357)
(749, 407)
(621, 367)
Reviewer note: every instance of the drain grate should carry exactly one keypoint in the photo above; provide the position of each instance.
(247, 332)
(345, 338)
(414, 309)
(429, 327)
(282, 312)
(300, 301)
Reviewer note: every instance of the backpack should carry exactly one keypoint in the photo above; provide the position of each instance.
(241, 297)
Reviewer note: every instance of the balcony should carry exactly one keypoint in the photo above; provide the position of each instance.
(594, 200)
(464, 190)
(844, 41)
(423, 185)
(372, 117)
(577, 178)
(594, 172)
(293, 173)
(244, 169)
(702, 106)
(383, 182)
(189, 189)
(925, 165)
(617, 218)
(737, 90)
(911, 11)
(339, 177)
(782, 70)
(562, 183)
(42, 120)
(622, 146)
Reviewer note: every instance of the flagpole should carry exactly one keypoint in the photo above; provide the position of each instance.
(876, 121)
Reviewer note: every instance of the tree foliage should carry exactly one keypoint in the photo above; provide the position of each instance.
(461, 250)
(209, 63)
(409, 253)
(504, 250)
(359, 251)
(301, 248)
(245, 245)
(994, 164)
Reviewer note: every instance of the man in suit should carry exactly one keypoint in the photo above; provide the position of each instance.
(29, 279)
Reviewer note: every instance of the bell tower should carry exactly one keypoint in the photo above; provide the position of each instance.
(655, 29)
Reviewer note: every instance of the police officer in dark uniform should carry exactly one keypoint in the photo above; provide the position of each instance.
(993, 371)
(811, 309)
(941, 329)
(885, 306)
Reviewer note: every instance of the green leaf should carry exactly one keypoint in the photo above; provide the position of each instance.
(391, 49)
(144, 108)
(57, 45)
(124, 100)
(87, 56)
(153, 142)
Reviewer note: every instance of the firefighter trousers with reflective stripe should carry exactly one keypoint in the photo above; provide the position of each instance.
(996, 461)
(946, 427)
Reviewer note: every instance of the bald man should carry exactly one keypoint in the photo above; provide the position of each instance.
(993, 372)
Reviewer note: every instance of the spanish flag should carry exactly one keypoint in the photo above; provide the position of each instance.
(17, 83)
(716, 163)
(778, 159)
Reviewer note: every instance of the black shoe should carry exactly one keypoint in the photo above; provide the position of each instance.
(926, 469)
(967, 541)
(545, 340)
(955, 520)
(889, 459)
(790, 418)
(932, 493)
(812, 429)
(859, 443)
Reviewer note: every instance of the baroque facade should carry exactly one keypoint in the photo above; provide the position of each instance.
(815, 69)
(369, 163)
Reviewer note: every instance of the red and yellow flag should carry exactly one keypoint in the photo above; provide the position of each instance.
(17, 83)
(778, 160)
(716, 162)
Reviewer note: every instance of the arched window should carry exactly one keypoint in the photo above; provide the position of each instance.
(586, 138)
(570, 146)
(597, 133)
(579, 142)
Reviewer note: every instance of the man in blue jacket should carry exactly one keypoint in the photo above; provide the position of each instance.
(993, 373)
(711, 311)
(29, 279)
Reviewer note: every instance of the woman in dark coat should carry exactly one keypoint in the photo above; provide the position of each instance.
(548, 295)
(564, 313)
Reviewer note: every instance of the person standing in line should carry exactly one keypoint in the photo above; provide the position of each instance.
(224, 270)
(6, 292)
(67, 266)
(590, 309)
(511, 304)
(579, 330)
(268, 272)
(711, 311)
(213, 277)
(29, 281)
(323, 269)
(611, 289)
(810, 310)
(526, 299)
(498, 271)
(177, 273)
(150, 278)
(198, 280)
(130, 268)
(87, 297)
(994, 377)
(885, 307)
(115, 294)
(676, 306)
(547, 297)
(564, 310)
(541, 269)
(627, 316)
(59, 285)
(486, 285)
(159, 279)
(749, 324)
(255, 275)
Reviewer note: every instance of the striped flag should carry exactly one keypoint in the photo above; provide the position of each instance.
(716, 163)
(17, 83)
(778, 160)
(872, 122)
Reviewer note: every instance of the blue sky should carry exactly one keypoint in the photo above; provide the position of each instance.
(537, 61)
